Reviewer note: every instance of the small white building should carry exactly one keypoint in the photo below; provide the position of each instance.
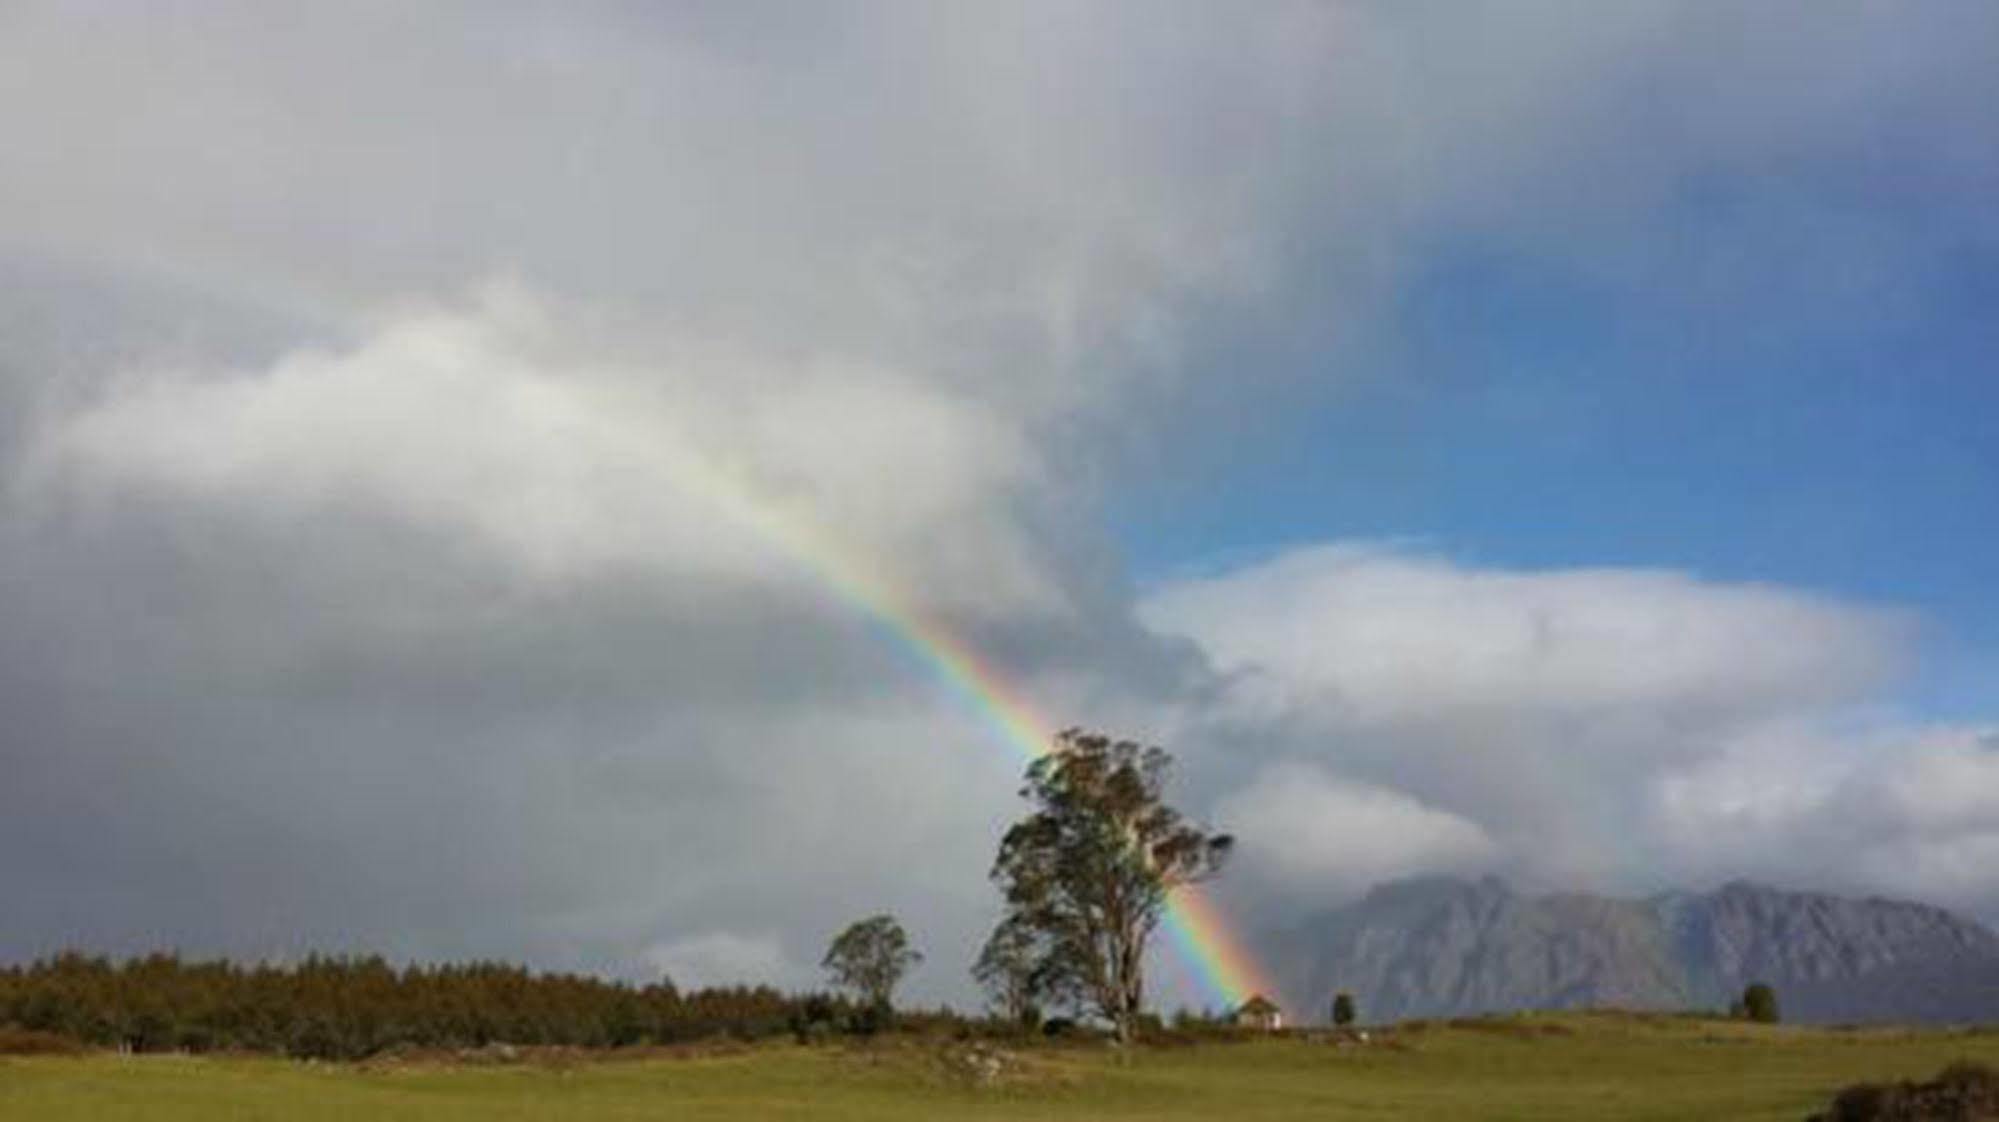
(1260, 1013)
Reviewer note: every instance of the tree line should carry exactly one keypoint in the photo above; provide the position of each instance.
(333, 1007)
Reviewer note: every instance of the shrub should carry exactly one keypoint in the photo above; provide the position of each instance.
(1759, 1004)
(1960, 1092)
(1343, 1009)
(867, 1020)
(813, 1022)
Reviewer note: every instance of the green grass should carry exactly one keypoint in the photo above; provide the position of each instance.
(1543, 1067)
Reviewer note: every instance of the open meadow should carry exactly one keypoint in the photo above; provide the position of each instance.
(1596, 1066)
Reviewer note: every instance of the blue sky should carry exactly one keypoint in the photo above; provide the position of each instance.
(1759, 424)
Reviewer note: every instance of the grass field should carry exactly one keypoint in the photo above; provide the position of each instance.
(1543, 1067)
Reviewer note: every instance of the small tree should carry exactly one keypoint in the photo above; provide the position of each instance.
(1090, 871)
(1343, 1009)
(1010, 968)
(1759, 1004)
(870, 957)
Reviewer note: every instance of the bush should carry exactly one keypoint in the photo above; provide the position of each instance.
(867, 1020)
(813, 1022)
(1343, 1010)
(1961, 1092)
(1759, 1004)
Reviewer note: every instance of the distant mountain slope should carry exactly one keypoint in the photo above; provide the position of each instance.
(1440, 946)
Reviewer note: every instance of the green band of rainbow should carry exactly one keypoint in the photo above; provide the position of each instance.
(1196, 928)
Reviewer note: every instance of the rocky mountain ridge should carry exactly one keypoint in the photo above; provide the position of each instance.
(1448, 946)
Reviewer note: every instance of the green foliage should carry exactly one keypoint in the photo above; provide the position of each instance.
(815, 1020)
(869, 958)
(1759, 1004)
(346, 1008)
(1010, 967)
(1088, 874)
(1343, 1009)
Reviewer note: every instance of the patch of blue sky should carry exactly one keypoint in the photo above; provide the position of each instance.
(1732, 418)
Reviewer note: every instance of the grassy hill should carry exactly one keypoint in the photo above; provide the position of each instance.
(1543, 1067)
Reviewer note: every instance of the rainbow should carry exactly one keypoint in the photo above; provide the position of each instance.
(1196, 928)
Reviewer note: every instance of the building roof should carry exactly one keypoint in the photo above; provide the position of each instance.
(1259, 1005)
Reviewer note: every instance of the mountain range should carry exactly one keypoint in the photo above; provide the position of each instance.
(1441, 946)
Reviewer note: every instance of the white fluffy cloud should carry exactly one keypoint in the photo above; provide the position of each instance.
(1385, 636)
(1317, 833)
(486, 424)
(1612, 728)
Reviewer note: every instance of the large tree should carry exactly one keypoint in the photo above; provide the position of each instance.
(1090, 871)
(870, 957)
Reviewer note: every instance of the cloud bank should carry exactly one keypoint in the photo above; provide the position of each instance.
(1575, 727)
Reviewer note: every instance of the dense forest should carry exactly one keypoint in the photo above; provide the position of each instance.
(352, 1007)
